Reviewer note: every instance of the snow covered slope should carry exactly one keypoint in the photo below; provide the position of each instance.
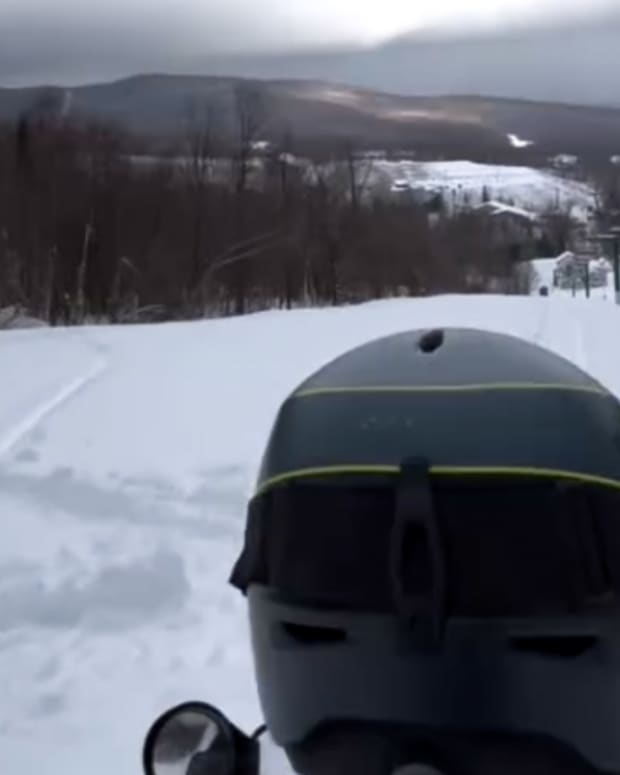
(126, 458)
(526, 187)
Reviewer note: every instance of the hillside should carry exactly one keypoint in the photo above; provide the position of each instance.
(463, 183)
(461, 126)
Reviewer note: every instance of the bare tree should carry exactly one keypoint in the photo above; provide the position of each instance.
(559, 230)
(250, 116)
(87, 230)
(199, 167)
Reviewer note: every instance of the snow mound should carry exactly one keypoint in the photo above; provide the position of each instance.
(126, 458)
(518, 142)
(12, 318)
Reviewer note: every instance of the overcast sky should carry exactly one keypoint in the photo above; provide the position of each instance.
(80, 40)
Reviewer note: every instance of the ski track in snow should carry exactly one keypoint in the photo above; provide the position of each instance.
(581, 353)
(123, 492)
(11, 437)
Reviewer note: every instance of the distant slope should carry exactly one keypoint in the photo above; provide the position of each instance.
(463, 183)
(462, 124)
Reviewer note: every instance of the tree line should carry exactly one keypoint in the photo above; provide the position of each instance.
(89, 234)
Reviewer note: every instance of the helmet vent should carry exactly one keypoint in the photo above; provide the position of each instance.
(554, 645)
(431, 341)
(311, 635)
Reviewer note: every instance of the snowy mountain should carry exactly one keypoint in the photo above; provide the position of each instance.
(127, 457)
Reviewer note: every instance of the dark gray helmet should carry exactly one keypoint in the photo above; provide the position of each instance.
(433, 554)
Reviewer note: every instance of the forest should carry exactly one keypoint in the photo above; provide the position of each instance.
(89, 234)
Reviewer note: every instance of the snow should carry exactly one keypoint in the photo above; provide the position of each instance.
(544, 268)
(463, 182)
(517, 142)
(126, 457)
(543, 273)
(499, 208)
(14, 317)
(565, 160)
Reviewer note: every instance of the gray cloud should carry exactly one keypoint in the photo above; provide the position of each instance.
(77, 42)
(576, 63)
(115, 39)
(71, 42)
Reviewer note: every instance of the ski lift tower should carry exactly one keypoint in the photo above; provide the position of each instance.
(611, 237)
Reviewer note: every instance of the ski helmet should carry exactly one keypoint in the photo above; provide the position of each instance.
(432, 560)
